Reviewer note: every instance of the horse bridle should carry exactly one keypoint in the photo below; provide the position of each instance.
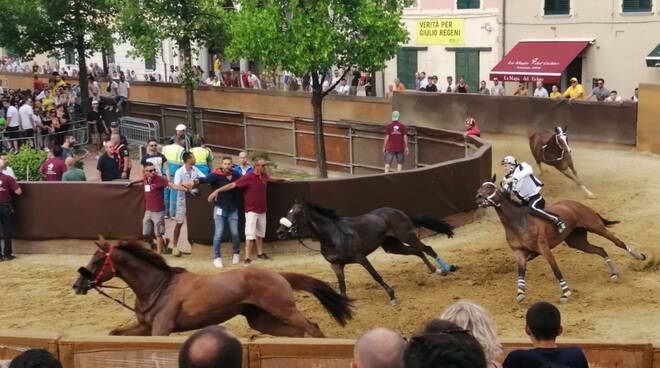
(291, 227)
(561, 156)
(489, 198)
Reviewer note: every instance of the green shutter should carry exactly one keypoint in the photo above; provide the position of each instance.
(557, 7)
(406, 66)
(468, 4)
(631, 6)
(150, 63)
(69, 57)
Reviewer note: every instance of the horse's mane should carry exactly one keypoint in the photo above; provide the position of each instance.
(327, 212)
(138, 250)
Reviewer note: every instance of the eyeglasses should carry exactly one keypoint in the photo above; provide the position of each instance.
(153, 145)
(151, 170)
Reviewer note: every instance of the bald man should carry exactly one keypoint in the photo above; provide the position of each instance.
(73, 173)
(379, 348)
(211, 347)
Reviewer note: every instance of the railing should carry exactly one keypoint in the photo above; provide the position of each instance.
(78, 129)
(139, 131)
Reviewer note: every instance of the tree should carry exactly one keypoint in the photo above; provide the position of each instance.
(190, 23)
(312, 36)
(54, 27)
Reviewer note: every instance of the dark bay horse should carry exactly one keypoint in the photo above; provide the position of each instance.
(171, 299)
(553, 149)
(347, 240)
(529, 236)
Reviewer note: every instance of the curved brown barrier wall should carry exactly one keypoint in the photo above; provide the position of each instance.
(588, 121)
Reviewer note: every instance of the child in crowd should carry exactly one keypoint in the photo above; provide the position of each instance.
(471, 127)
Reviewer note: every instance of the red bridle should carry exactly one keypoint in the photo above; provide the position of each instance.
(106, 263)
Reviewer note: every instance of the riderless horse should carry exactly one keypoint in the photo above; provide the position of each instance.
(530, 236)
(553, 149)
(347, 240)
(171, 299)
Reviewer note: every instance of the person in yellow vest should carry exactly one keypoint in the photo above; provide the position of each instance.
(203, 155)
(575, 91)
(174, 155)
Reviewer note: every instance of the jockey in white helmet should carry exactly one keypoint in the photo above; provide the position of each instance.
(519, 179)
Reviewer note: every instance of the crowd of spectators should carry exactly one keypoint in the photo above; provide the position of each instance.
(462, 337)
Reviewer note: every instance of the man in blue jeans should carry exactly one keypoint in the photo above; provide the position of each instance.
(225, 210)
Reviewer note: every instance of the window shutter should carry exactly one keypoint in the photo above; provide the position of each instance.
(636, 6)
(468, 4)
(554, 7)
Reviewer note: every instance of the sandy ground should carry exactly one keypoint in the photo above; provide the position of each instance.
(36, 289)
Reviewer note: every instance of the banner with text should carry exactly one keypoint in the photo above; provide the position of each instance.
(440, 32)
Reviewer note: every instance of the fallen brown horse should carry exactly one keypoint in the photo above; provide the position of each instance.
(530, 236)
(553, 149)
(171, 299)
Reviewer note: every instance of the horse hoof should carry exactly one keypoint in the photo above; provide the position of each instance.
(563, 299)
(394, 302)
(520, 297)
(441, 272)
(614, 277)
(453, 268)
(643, 256)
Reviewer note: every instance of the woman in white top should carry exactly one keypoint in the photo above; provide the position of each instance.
(475, 318)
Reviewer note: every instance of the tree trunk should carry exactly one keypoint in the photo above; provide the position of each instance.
(319, 142)
(82, 76)
(190, 95)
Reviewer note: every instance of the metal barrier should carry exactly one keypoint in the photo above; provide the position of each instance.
(78, 129)
(138, 131)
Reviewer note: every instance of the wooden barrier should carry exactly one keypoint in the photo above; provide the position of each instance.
(300, 353)
(13, 343)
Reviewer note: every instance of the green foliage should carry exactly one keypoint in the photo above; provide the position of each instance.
(26, 164)
(259, 154)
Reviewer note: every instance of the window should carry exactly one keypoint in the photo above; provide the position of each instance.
(110, 55)
(69, 56)
(150, 63)
(633, 6)
(557, 7)
(467, 4)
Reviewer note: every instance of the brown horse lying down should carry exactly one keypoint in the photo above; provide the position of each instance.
(171, 299)
(528, 236)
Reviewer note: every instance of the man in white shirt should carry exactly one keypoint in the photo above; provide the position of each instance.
(540, 91)
(123, 89)
(254, 80)
(25, 114)
(185, 178)
(497, 89)
(449, 87)
(343, 87)
(614, 97)
(13, 123)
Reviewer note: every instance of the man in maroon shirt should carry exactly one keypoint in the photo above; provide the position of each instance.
(154, 205)
(254, 185)
(395, 146)
(7, 186)
(54, 167)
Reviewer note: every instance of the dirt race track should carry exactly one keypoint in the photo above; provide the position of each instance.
(36, 289)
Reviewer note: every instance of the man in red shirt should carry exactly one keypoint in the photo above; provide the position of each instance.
(254, 185)
(154, 205)
(54, 167)
(395, 146)
(471, 127)
(7, 186)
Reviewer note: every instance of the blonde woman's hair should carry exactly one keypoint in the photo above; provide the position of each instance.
(475, 318)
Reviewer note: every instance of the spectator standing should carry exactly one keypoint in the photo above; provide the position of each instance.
(543, 325)
(73, 173)
(182, 137)
(355, 81)
(540, 91)
(378, 348)
(614, 97)
(254, 187)
(13, 123)
(97, 127)
(174, 159)
(522, 90)
(254, 81)
(390, 91)
(225, 211)
(203, 155)
(555, 92)
(431, 86)
(8, 186)
(25, 114)
(369, 84)
(575, 91)
(242, 167)
(635, 96)
(67, 146)
(395, 145)
(184, 180)
(474, 318)
(157, 159)
(153, 222)
(398, 86)
(211, 347)
(122, 156)
(54, 167)
(4, 162)
(462, 87)
(111, 89)
(94, 89)
(343, 88)
(471, 127)
(107, 165)
(483, 90)
(38, 84)
(450, 87)
(123, 91)
(599, 91)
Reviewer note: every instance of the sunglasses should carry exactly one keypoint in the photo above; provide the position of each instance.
(151, 170)
(153, 145)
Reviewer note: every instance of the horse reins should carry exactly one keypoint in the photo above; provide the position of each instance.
(305, 245)
(561, 157)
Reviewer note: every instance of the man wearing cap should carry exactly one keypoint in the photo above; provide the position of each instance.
(96, 125)
(395, 146)
(183, 136)
(575, 91)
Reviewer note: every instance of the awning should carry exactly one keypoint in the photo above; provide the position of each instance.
(653, 60)
(531, 60)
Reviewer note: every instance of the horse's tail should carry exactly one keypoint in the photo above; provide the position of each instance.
(434, 224)
(608, 222)
(336, 304)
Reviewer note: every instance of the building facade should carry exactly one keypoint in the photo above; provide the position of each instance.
(621, 35)
(449, 38)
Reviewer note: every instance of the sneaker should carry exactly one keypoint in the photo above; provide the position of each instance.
(561, 226)
(247, 262)
(236, 259)
(264, 256)
(217, 262)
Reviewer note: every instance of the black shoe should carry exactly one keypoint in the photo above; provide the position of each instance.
(453, 268)
(264, 256)
(9, 258)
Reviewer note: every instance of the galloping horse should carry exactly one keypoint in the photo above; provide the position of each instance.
(346, 240)
(529, 236)
(171, 299)
(553, 149)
